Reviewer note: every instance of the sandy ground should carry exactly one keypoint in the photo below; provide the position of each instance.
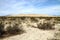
(33, 34)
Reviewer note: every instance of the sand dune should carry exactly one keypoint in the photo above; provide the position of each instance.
(33, 34)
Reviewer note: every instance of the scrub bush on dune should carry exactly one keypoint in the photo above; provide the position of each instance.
(45, 26)
(57, 32)
(56, 36)
(1, 29)
(15, 29)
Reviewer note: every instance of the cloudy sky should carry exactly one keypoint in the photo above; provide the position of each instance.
(11, 7)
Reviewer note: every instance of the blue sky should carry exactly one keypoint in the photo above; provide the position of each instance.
(11, 7)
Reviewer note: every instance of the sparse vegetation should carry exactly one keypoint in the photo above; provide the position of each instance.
(1, 29)
(15, 29)
(46, 26)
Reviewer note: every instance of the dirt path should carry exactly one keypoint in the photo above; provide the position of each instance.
(33, 34)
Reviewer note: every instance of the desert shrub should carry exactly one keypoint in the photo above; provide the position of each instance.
(15, 29)
(57, 27)
(34, 20)
(56, 36)
(45, 26)
(1, 29)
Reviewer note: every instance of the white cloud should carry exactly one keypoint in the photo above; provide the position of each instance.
(51, 10)
(27, 7)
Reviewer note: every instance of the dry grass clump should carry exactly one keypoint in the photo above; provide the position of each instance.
(57, 33)
(15, 29)
(56, 36)
(10, 30)
(46, 26)
(1, 29)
